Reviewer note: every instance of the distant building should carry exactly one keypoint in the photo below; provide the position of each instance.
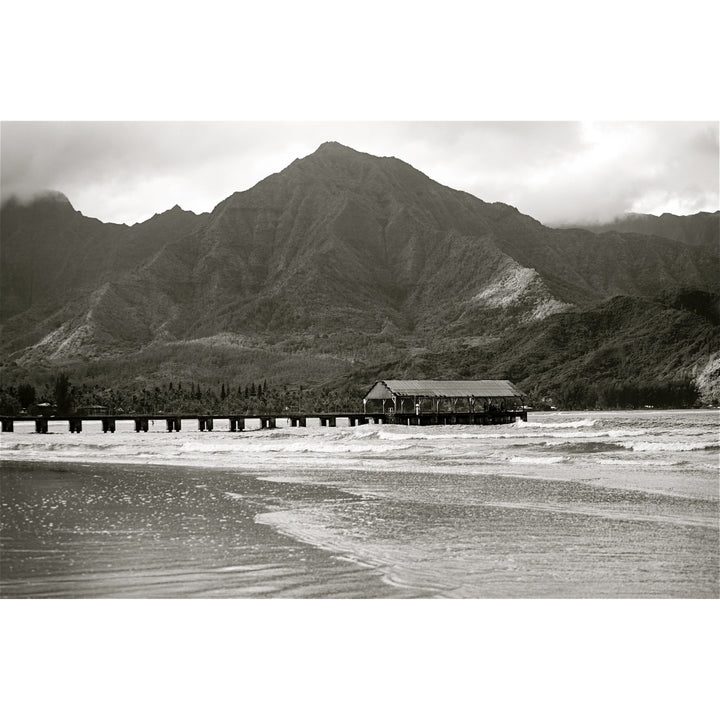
(87, 410)
(438, 396)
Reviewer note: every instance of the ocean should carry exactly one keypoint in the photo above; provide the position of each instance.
(567, 505)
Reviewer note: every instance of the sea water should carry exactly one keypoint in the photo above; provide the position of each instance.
(595, 504)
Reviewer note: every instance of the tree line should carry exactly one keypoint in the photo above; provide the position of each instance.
(61, 397)
(65, 398)
(612, 394)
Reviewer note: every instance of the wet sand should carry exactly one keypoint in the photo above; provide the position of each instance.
(128, 531)
(132, 531)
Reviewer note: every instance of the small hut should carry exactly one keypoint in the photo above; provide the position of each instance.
(442, 396)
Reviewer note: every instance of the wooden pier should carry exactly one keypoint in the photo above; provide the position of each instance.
(238, 423)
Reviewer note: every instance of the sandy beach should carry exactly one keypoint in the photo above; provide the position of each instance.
(568, 505)
(122, 531)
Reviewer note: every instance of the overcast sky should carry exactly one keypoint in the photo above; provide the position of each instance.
(555, 171)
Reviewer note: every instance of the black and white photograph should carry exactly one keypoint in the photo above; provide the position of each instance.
(356, 373)
(349, 379)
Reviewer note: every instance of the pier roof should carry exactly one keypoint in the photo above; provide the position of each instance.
(443, 388)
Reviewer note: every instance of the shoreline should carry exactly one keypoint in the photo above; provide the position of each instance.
(642, 473)
(129, 530)
(215, 541)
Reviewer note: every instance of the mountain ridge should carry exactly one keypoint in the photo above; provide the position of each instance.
(339, 250)
(701, 228)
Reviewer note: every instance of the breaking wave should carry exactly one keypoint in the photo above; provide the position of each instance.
(660, 447)
(535, 460)
(569, 424)
(669, 449)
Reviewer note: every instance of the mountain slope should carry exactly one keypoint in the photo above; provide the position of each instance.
(343, 256)
(622, 341)
(50, 252)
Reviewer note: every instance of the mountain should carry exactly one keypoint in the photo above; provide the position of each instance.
(701, 229)
(49, 248)
(340, 264)
(635, 341)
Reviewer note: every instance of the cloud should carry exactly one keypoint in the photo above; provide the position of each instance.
(558, 172)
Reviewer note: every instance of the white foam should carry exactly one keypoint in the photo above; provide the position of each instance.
(538, 460)
(569, 424)
(652, 439)
(669, 447)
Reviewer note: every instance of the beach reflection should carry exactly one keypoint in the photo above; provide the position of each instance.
(120, 531)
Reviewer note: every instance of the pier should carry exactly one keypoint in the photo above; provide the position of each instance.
(390, 402)
(238, 423)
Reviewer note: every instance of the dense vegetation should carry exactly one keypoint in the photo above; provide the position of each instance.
(617, 394)
(65, 398)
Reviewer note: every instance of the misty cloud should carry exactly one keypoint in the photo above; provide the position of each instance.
(558, 172)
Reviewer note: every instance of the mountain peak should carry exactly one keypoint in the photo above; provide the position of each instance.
(334, 156)
(41, 197)
(332, 146)
(174, 213)
(334, 150)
